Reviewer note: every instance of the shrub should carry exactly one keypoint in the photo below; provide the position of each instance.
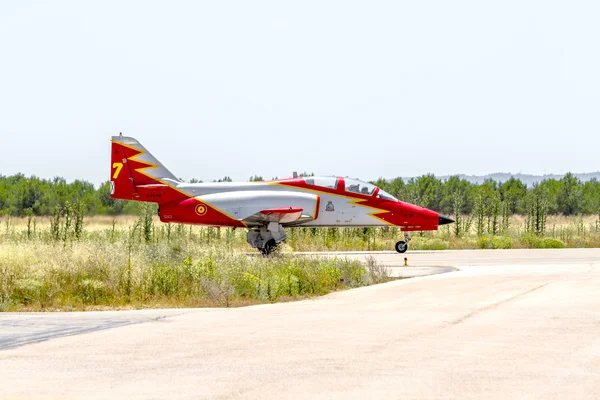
(436, 244)
(501, 242)
(5, 302)
(92, 291)
(27, 290)
(484, 242)
(530, 241)
(550, 243)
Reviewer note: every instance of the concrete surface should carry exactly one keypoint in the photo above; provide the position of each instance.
(507, 324)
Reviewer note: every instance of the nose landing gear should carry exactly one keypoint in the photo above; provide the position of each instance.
(402, 245)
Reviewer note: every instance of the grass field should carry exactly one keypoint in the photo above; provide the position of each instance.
(574, 231)
(128, 262)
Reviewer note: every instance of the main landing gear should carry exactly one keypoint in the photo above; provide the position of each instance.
(402, 245)
(266, 238)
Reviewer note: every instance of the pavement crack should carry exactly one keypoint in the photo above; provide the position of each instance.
(496, 305)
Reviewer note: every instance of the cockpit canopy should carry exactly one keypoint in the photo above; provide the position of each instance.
(385, 195)
(356, 186)
(352, 186)
(330, 182)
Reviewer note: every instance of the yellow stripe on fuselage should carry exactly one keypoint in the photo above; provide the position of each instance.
(150, 165)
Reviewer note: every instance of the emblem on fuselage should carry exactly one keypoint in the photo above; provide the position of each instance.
(201, 209)
(329, 206)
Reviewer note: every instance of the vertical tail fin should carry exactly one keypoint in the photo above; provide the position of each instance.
(134, 168)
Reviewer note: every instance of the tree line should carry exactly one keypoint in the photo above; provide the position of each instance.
(22, 196)
(566, 196)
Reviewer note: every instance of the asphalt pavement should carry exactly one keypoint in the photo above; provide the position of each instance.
(496, 324)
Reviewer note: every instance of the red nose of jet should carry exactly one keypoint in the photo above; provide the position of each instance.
(415, 218)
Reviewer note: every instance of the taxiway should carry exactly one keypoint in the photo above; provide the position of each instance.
(505, 324)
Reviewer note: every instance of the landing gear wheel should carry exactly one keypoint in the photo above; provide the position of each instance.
(269, 247)
(401, 246)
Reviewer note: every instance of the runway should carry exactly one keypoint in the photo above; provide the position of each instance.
(503, 324)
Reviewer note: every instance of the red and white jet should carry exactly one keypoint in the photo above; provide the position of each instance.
(266, 208)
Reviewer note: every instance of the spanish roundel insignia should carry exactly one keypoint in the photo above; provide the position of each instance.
(201, 209)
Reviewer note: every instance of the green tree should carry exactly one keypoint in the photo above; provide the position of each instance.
(570, 195)
(451, 189)
(513, 193)
(549, 190)
(428, 191)
(590, 197)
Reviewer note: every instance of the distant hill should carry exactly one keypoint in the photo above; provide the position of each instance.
(525, 178)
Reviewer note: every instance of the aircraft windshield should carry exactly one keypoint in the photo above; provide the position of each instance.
(382, 194)
(323, 181)
(356, 186)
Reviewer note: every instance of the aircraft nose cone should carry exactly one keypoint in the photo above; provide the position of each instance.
(445, 220)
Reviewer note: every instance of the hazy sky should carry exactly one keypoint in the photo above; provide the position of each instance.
(364, 89)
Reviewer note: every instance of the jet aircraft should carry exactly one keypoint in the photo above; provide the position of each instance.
(265, 208)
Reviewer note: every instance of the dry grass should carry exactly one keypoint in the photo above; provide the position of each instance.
(111, 266)
(574, 231)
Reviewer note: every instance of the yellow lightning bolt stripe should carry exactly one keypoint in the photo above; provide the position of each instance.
(373, 213)
(150, 165)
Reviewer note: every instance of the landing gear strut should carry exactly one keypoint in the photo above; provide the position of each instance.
(402, 245)
(266, 238)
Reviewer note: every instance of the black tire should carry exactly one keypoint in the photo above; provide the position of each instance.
(401, 246)
(269, 247)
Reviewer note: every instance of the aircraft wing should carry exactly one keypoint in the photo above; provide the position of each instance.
(262, 207)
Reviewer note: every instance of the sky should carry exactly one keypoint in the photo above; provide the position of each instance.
(365, 89)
